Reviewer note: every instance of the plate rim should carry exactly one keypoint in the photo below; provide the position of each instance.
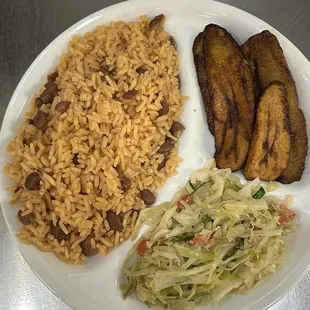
(67, 296)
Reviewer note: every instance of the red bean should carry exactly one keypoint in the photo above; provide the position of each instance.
(52, 76)
(40, 119)
(62, 106)
(162, 164)
(38, 102)
(26, 219)
(58, 233)
(177, 129)
(114, 221)
(157, 22)
(87, 248)
(125, 183)
(32, 181)
(49, 93)
(164, 108)
(166, 147)
(148, 197)
(141, 70)
(130, 94)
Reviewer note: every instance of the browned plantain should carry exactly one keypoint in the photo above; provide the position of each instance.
(255, 81)
(271, 141)
(230, 95)
(265, 52)
(201, 76)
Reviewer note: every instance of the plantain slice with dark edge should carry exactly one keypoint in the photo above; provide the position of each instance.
(202, 79)
(271, 141)
(229, 94)
(266, 53)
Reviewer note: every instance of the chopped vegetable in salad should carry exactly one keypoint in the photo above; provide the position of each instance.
(214, 238)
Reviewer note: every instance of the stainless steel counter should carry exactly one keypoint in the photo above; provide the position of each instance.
(26, 27)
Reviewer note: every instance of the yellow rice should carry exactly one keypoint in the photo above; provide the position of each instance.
(97, 127)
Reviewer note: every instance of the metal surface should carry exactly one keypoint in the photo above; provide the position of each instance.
(26, 27)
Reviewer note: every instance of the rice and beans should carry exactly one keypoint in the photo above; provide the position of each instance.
(98, 140)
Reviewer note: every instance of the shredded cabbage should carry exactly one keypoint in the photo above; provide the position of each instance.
(272, 186)
(216, 237)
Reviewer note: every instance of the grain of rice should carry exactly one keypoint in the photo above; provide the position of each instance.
(26, 212)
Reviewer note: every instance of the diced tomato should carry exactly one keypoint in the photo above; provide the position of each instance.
(187, 199)
(142, 247)
(200, 239)
(286, 216)
(282, 219)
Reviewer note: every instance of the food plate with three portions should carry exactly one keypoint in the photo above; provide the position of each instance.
(111, 121)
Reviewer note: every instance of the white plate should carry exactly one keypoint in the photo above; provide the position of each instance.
(94, 286)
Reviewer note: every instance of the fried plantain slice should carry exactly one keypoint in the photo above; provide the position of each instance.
(271, 141)
(255, 81)
(202, 79)
(266, 53)
(230, 95)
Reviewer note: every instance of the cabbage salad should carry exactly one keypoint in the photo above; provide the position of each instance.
(214, 238)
